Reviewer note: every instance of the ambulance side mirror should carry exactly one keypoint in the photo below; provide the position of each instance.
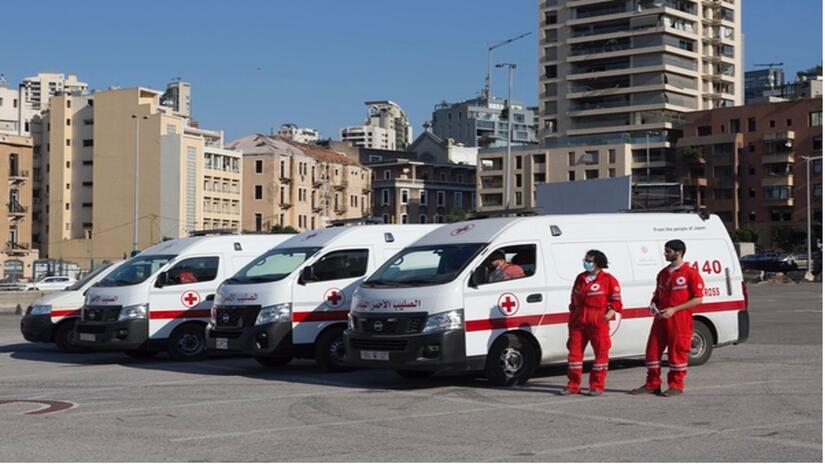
(162, 280)
(479, 276)
(307, 275)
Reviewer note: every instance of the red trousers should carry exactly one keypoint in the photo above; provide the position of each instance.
(599, 338)
(675, 335)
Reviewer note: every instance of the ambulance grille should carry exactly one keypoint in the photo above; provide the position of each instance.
(378, 345)
(391, 325)
(235, 317)
(101, 313)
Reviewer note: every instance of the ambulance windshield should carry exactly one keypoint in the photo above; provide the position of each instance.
(273, 265)
(424, 266)
(88, 277)
(135, 271)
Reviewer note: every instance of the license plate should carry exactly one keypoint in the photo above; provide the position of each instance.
(222, 343)
(375, 355)
(86, 337)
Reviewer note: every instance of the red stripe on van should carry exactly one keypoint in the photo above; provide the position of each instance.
(179, 314)
(319, 316)
(561, 318)
(65, 312)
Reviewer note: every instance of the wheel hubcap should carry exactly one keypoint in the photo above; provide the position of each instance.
(697, 345)
(190, 344)
(511, 361)
(336, 350)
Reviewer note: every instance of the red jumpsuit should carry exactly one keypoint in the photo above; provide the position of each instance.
(673, 287)
(590, 300)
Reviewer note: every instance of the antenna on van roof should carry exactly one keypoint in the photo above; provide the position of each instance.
(364, 221)
(520, 212)
(205, 232)
(702, 212)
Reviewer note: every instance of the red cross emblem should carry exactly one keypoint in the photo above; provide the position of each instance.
(333, 297)
(462, 230)
(644, 249)
(508, 304)
(190, 298)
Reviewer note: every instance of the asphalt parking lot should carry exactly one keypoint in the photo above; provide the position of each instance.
(760, 401)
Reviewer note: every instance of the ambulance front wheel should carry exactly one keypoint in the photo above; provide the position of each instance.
(511, 360)
(188, 343)
(65, 337)
(701, 344)
(330, 351)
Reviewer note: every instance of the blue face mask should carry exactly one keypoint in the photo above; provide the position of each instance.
(588, 266)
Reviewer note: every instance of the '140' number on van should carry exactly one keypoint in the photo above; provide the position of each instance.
(709, 267)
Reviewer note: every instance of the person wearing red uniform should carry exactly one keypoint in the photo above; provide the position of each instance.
(502, 270)
(595, 299)
(679, 287)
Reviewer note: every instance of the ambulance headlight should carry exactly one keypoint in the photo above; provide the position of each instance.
(441, 322)
(133, 312)
(39, 310)
(275, 313)
(350, 321)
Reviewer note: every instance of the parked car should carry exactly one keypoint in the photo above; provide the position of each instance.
(52, 283)
(769, 262)
(801, 259)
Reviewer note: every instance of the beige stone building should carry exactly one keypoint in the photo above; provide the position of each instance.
(16, 254)
(89, 144)
(288, 183)
(534, 165)
(636, 65)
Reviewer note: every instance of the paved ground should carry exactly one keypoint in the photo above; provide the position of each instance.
(761, 401)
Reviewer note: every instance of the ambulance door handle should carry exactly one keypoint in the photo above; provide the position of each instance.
(534, 298)
(210, 297)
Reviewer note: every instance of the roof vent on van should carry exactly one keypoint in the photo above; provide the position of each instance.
(512, 212)
(389, 238)
(363, 221)
(205, 232)
(238, 246)
(555, 231)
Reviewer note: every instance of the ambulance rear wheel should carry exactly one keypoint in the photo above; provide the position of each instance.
(510, 360)
(273, 361)
(330, 350)
(65, 337)
(188, 343)
(701, 344)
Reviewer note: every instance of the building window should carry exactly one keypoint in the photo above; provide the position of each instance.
(460, 178)
(387, 174)
(751, 124)
(386, 218)
(752, 193)
(815, 119)
(772, 123)
(571, 158)
(518, 162)
(571, 175)
(440, 199)
(283, 169)
(751, 148)
(88, 142)
(591, 174)
(458, 199)
(611, 172)
(788, 122)
(68, 142)
(259, 221)
(703, 130)
(752, 215)
(68, 122)
(259, 166)
(423, 198)
(751, 170)
(422, 219)
(443, 177)
(405, 196)
(385, 197)
(611, 156)
(283, 195)
(734, 126)
(817, 190)
(404, 219)
(259, 192)
(518, 198)
(518, 180)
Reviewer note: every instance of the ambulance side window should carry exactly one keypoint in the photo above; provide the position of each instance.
(343, 264)
(519, 262)
(193, 270)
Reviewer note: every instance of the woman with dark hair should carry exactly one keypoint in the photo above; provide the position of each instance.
(595, 300)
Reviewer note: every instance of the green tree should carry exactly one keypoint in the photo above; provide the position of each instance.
(455, 215)
(279, 229)
(745, 235)
(789, 238)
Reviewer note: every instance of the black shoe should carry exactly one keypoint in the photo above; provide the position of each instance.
(644, 390)
(672, 392)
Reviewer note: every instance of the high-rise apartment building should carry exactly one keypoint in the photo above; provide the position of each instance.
(386, 128)
(19, 107)
(375, 137)
(480, 122)
(88, 150)
(297, 134)
(178, 96)
(287, 183)
(16, 253)
(636, 66)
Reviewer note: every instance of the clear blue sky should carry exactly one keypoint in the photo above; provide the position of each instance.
(256, 64)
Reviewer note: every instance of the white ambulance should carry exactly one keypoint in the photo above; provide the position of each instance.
(160, 299)
(433, 308)
(52, 317)
(293, 301)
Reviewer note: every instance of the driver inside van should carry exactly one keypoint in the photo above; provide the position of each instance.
(501, 269)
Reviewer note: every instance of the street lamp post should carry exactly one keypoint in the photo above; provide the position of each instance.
(809, 275)
(510, 67)
(136, 203)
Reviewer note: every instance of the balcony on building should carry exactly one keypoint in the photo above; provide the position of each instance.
(14, 248)
(18, 175)
(778, 179)
(16, 210)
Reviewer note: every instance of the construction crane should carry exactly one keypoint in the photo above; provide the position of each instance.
(488, 82)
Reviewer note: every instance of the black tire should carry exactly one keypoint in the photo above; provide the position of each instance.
(414, 375)
(330, 350)
(273, 361)
(65, 337)
(510, 360)
(140, 354)
(701, 344)
(188, 343)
